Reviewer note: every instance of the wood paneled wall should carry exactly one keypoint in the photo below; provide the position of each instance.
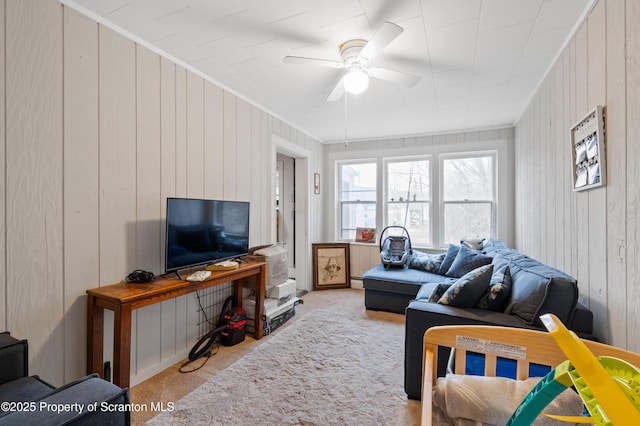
(593, 235)
(97, 132)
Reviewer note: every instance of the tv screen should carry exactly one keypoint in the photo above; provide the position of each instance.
(205, 231)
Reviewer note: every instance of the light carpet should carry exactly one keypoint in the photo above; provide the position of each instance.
(325, 369)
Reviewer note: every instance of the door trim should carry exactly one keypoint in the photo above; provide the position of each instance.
(303, 183)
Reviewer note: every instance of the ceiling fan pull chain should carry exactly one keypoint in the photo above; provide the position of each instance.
(346, 139)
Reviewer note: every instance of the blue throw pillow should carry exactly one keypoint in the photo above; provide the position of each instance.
(467, 291)
(498, 292)
(439, 291)
(467, 260)
(426, 262)
(448, 259)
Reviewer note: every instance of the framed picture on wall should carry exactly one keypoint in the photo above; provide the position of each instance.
(331, 266)
(588, 152)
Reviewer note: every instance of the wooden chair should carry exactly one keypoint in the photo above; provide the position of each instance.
(523, 346)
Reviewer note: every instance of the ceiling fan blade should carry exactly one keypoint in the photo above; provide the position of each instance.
(337, 92)
(394, 76)
(385, 35)
(313, 61)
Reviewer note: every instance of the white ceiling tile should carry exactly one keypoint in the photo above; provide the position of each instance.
(328, 12)
(397, 11)
(545, 42)
(457, 77)
(244, 29)
(155, 9)
(497, 61)
(214, 10)
(101, 7)
(438, 13)
(503, 13)
(488, 93)
(275, 10)
(454, 46)
(512, 37)
(298, 31)
(489, 79)
(192, 27)
(535, 63)
(556, 14)
(479, 60)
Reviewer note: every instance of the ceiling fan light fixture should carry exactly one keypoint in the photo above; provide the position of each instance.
(356, 81)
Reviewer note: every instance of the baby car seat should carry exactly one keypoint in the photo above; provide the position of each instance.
(395, 250)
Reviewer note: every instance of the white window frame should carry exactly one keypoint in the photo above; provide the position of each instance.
(340, 203)
(461, 155)
(385, 188)
(502, 148)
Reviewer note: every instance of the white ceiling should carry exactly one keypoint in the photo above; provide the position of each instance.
(480, 60)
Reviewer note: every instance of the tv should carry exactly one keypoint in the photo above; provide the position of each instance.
(205, 231)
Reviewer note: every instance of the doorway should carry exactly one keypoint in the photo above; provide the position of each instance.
(298, 212)
(286, 207)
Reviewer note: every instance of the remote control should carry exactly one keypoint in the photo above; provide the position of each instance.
(199, 276)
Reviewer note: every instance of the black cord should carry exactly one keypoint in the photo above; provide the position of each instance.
(208, 345)
(140, 276)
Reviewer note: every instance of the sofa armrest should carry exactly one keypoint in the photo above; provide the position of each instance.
(89, 400)
(422, 315)
(582, 321)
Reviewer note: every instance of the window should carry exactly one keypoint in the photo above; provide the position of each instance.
(357, 198)
(408, 198)
(440, 198)
(467, 197)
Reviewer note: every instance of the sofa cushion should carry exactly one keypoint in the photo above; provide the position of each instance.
(492, 246)
(452, 251)
(537, 288)
(466, 261)
(404, 281)
(426, 262)
(496, 296)
(439, 291)
(24, 389)
(466, 291)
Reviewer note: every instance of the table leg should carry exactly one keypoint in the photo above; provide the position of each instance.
(122, 346)
(95, 336)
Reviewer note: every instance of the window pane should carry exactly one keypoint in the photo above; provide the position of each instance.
(466, 220)
(468, 179)
(358, 182)
(408, 180)
(356, 215)
(412, 215)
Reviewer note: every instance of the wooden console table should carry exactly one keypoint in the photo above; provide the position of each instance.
(123, 298)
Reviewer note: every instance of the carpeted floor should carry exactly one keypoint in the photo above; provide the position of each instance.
(340, 384)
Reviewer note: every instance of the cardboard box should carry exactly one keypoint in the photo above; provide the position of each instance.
(283, 290)
(277, 266)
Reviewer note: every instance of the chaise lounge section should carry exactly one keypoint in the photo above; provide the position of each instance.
(529, 290)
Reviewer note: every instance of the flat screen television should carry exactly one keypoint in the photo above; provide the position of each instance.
(205, 231)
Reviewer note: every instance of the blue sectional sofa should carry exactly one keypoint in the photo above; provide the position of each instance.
(433, 297)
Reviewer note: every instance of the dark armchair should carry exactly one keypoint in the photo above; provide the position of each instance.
(27, 399)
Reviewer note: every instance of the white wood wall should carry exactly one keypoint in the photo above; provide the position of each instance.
(594, 235)
(97, 131)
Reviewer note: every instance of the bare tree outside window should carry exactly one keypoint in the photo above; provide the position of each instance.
(357, 198)
(409, 198)
(468, 197)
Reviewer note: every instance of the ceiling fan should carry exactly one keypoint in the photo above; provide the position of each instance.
(356, 56)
